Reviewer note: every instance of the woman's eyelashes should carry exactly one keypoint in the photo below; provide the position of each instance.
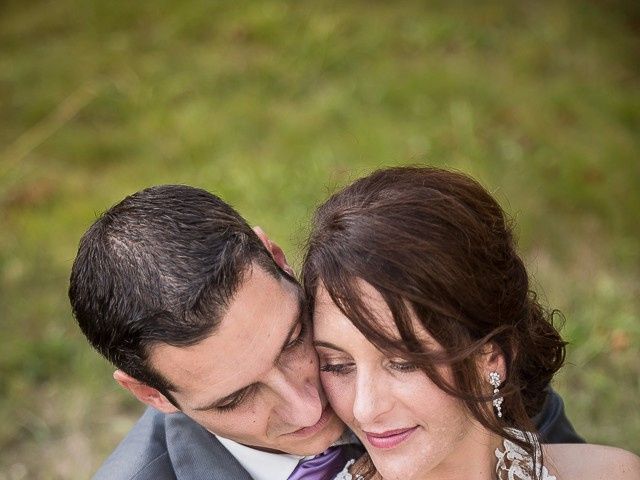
(402, 366)
(337, 368)
(348, 367)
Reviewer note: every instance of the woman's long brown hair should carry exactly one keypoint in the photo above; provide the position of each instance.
(438, 247)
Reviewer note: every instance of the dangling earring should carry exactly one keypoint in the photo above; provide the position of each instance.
(494, 379)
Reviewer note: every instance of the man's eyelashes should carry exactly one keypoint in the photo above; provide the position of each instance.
(300, 338)
(244, 395)
(236, 401)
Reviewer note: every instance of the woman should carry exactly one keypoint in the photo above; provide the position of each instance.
(432, 348)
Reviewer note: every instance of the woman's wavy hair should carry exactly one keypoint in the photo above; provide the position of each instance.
(438, 247)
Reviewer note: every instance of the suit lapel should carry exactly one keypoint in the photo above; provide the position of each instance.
(196, 454)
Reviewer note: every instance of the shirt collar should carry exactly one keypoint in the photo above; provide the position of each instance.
(272, 466)
(262, 465)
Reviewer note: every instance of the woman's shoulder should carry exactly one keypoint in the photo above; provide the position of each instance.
(591, 462)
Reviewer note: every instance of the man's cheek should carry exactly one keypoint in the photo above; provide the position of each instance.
(338, 395)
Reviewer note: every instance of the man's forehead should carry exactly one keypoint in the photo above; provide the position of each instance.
(245, 344)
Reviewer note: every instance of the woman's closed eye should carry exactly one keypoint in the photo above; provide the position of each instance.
(402, 366)
(337, 368)
(348, 367)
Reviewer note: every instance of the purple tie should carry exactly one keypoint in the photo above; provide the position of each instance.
(321, 467)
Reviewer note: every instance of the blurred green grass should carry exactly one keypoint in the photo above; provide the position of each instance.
(272, 105)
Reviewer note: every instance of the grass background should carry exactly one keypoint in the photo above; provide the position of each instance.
(274, 104)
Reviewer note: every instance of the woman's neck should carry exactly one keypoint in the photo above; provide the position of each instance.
(472, 458)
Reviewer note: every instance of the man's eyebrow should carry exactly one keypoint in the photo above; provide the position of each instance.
(319, 343)
(299, 317)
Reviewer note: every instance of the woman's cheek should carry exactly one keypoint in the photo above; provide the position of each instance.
(338, 393)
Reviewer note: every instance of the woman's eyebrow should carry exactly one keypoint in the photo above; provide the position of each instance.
(320, 343)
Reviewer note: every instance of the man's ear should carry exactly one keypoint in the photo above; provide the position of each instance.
(143, 392)
(275, 251)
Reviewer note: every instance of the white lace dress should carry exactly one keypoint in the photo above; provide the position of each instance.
(345, 475)
(514, 463)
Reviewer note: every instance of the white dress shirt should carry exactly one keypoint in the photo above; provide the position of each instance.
(271, 466)
(262, 465)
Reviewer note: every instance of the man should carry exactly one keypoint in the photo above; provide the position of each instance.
(205, 323)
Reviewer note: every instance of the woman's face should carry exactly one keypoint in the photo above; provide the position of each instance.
(409, 426)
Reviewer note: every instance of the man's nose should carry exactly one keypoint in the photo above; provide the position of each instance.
(372, 399)
(298, 400)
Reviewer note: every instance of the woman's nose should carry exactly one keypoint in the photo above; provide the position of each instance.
(372, 399)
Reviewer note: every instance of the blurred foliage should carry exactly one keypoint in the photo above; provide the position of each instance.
(272, 104)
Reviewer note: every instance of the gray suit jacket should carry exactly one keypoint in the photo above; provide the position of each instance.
(174, 447)
(170, 447)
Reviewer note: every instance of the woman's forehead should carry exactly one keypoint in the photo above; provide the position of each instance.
(379, 315)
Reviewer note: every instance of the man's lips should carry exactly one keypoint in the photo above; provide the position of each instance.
(390, 438)
(327, 413)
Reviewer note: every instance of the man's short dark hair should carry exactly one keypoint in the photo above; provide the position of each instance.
(160, 267)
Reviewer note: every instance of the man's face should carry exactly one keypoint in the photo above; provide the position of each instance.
(255, 379)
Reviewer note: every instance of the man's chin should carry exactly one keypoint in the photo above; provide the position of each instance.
(307, 442)
(303, 443)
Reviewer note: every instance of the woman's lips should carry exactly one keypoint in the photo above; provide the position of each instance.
(390, 438)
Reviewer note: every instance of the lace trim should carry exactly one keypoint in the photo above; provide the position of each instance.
(345, 475)
(514, 463)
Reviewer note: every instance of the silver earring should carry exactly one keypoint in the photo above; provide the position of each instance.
(494, 380)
